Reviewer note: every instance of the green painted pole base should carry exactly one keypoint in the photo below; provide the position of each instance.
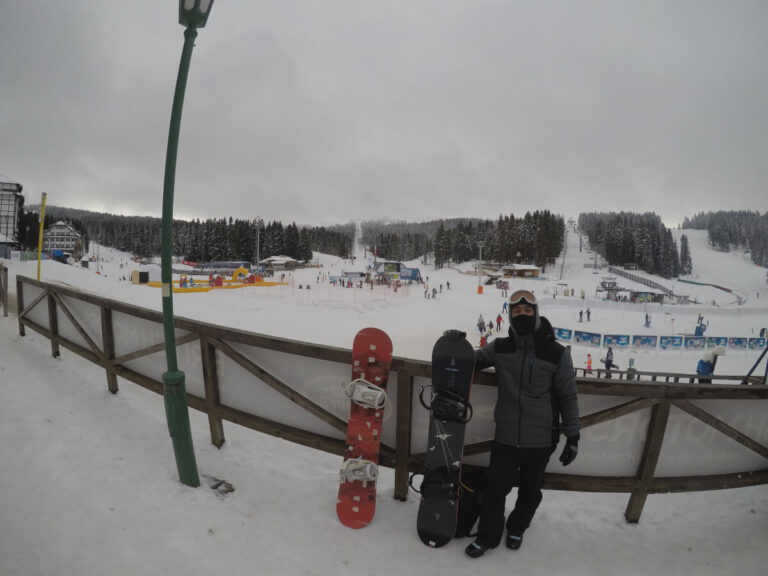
(177, 414)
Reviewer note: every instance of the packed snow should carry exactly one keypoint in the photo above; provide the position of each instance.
(88, 481)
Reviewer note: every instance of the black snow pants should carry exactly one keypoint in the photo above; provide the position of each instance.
(508, 465)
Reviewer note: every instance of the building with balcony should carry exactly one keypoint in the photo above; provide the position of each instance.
(61, 236)
(11, 202)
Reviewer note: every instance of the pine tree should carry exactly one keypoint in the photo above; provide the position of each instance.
(686, 266)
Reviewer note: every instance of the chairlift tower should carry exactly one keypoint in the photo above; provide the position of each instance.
(480, 245)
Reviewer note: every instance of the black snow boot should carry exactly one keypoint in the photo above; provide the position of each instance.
(514, 542)
(475, 550)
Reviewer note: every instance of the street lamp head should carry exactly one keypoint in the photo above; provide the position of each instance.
(194, 13)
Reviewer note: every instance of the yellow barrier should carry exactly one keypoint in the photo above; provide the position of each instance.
(239, 272)
(206, 288)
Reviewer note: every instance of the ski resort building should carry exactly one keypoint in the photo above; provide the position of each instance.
(279, 263)
(520, 271)
(11, 201)
(61, 236)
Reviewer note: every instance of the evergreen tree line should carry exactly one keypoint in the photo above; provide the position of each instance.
(402, 240)
(535, 238)
(639, 239)
(202, 241)
(735, 228)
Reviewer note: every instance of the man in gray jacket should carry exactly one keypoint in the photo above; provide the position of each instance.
(536, 385)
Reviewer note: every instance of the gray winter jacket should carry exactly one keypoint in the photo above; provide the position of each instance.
(537, 385)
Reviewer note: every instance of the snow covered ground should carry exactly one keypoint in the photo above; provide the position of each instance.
(88, 482)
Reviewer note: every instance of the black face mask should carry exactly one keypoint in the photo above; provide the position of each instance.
(524, 324)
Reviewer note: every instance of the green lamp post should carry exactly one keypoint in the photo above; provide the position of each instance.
(193, 14)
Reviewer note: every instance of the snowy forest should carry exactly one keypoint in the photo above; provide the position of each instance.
(727, 230)
(639, 239)
(536, 238)
(195, 240)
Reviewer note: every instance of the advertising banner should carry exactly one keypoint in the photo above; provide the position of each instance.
(737, 343)
(562, 333)
(639, 341)
(588, 338)
(409, 274)
(695, 342)
(713, 341)
(671, 342)
(756, 343)
(618, 340)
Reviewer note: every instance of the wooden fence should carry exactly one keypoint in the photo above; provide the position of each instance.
(4, 289)
(229, 366)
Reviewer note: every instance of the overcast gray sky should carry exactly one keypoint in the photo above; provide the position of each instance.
(322, 111)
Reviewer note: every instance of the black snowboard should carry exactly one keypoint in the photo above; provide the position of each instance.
(453, 363)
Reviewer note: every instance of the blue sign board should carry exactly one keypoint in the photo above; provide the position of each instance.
(618, 340)
(562, 333)
(737, 343)
(410, 274)
(644, 341)
(695, 342)
(671, 342)
(756, 343)
(713, 341)
(588, 338)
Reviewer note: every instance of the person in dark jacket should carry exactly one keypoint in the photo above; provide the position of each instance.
(536, 386)
(609, 358)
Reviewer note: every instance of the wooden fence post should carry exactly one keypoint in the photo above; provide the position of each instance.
(108, 346)
(211, 383)
(403, 433)
(53, 325)
(4, 289)
(648, 461)
(20, 304)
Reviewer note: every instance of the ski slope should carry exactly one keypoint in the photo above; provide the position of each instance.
(88, 483)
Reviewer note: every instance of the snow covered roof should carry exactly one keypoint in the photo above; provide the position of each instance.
(278, 260)
(519, 267)
(5, 179)
(62, 224)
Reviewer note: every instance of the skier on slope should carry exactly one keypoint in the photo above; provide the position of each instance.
(481, 324)
(536, 386)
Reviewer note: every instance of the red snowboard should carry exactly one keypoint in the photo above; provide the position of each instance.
(371, 357)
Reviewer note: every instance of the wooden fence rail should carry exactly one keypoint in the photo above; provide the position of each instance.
(85, 324)
(4, 289)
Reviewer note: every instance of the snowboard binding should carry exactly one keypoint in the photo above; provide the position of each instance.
(447, 406)
(436, 485)
(357, 470)
(366, 394)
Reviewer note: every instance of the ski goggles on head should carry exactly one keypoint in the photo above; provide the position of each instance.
(522, 297)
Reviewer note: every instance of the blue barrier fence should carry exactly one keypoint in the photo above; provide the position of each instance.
(645, 342)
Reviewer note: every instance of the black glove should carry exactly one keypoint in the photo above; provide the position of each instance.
(455, 335)
(570, 450)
